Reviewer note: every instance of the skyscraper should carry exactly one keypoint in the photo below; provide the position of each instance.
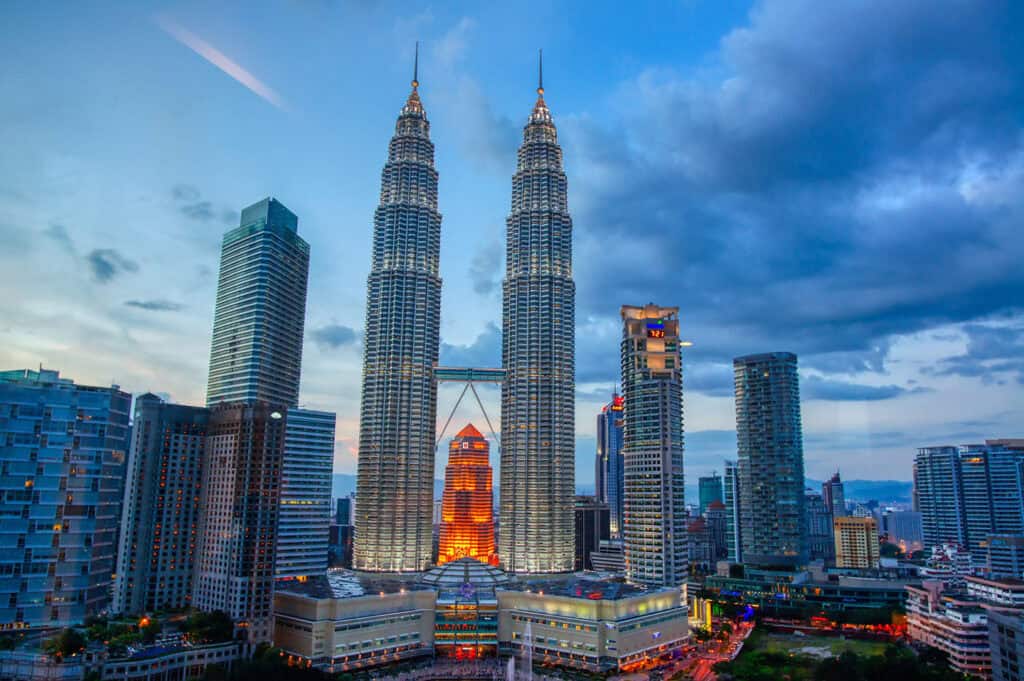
(260, 314)
(820, 540)
(160, 520)
(608, 474)
(652, 383)
(856, 542)
(771, 459)
(241, 500)
(538, 433)
(937, 496)
(834, 496)
(395, 478)
(62, 454)
(302, 526)
(593, 526)
(733, 529)
(467, 511)
(709, 489)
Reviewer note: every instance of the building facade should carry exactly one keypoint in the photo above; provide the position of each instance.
(241, 501)
(62, 459)
(709, 488)
(1006, 641)
(160, 517)
(608, 476)
(771, 459)
(856, 542)
(731, 498)
(593, 526)
(538, 421)
(303, 521)
(820, 540)
(903, 528)
(467, 509)
(655, 504)
(937, 496)
(834, 496)
(1004, 556)
(395, 475)
(258, 322)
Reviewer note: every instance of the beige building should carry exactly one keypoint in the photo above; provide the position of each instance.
(856, 542)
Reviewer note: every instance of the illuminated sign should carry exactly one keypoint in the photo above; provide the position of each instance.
(655, 333)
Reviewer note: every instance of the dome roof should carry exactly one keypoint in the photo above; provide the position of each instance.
(465, 571)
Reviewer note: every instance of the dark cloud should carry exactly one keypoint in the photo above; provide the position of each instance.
(187, 197)
(107, 263)
(993, 354)
(155, 305)
(485, 351)
(817, 388)
(334, 336)
(59, 234)
(817, 195)
(485, 268)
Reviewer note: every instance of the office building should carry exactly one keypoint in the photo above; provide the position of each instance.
(655, 504)
(820, 540)
(303, 522)
(258, 322)
(771, 459)
(395, 475)
(593, 526)
(467, 509)
(538, 421)
(160, 517)
(709, 489)
(608, 480)
(1004, 556)
(62, 458)
(715, 516)
(856, 542)
(834, 496)
(343, 511)
(903, 528)
(241, 500)
(609, 557)
(731, 498)
(1006, 643)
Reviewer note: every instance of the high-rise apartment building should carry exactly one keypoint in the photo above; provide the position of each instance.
(395, 475)
(820, 540)
(771, 459)
(834, 496)
(608, 476)
(62, 457)
(709, 488)
(655, 531)
(731, 498)
(1004, 556)
(467, 509)
(593, 526)
(303, 523)
(856, 542)
(241, 501)
(260, 314)
(969, 492)
(538, 431)
(160, 517)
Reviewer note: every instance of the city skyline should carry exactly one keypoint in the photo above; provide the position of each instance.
(933, 370)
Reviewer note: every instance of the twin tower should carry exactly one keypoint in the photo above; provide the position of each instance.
(395, 485)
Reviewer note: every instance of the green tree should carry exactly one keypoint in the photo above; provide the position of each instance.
(65, 644)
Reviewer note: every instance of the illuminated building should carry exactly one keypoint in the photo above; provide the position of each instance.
(467, 507)
(608, 469)
(302, 527)
(395, 475)
(709, 488)
(538, 429)
(655, 538)
(240, 499)
(160, 520)
(731, 494)
(770, 448)
(856, 542)
(62, 453)
(258, 322)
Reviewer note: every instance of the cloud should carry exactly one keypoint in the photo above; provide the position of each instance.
(485, 267)
(190, 205)
(334, 336)
(817, 388)
(822, 196)
(992, 354)
(107, 263)
(185, 192)
(155, 305)
(485, 351)
(59, 234)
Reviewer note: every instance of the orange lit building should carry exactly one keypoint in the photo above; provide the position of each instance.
(467, 507)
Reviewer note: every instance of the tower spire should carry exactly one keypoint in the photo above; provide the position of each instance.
(416, 67)
(540, 73)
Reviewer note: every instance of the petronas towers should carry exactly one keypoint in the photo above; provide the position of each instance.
(398, 420)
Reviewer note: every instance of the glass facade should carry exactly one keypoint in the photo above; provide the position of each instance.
(709, 489)
(608, 473)
(62, 458)
(538, 396)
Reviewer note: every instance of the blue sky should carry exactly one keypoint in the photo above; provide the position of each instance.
(842, 180)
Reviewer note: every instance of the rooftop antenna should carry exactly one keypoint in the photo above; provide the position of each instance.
(540, 74)
(416, 67)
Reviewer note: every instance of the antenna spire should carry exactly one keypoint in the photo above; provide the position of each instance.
(416, 67)
(540, 73)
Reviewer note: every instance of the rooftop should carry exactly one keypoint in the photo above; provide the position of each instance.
(464, 571)
(583, 587)
(346, 584)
